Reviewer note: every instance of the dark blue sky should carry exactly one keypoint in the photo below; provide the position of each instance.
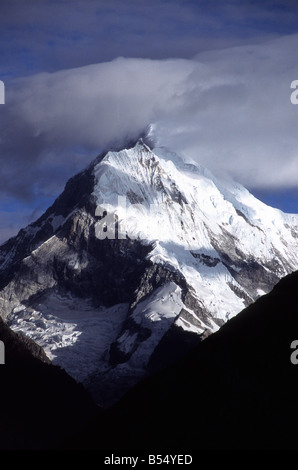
(49, 35)
(38, 36)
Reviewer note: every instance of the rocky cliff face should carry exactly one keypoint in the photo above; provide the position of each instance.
(139, 248)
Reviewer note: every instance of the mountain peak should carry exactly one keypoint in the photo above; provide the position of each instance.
(140, 248)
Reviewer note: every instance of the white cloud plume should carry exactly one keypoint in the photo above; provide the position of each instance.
(230, 110)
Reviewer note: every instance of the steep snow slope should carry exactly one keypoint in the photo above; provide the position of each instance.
(192, 219)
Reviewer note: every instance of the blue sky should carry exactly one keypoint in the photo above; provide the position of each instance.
(213, 76)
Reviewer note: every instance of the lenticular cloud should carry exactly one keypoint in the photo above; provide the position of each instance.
(229, 110)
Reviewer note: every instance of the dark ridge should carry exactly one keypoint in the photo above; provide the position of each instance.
(174, 345)
(41, 405)
(236, 390)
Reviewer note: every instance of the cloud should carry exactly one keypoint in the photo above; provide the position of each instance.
(53, 123)
(237, 116)
(230, 110)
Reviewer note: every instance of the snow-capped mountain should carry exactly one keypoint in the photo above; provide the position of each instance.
(139, 246)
